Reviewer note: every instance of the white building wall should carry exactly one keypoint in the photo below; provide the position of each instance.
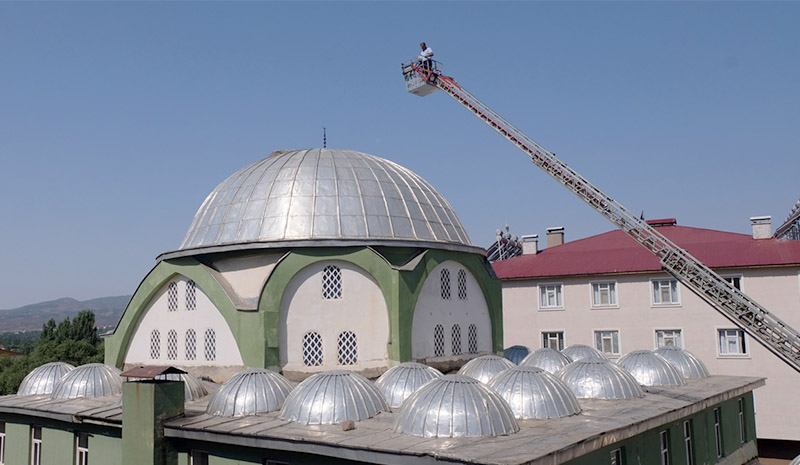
(461, 308)
(151, 344)
(637, 319)
(361, 310)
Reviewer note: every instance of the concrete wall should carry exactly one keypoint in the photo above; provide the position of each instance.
(637, 319)
(58, 442)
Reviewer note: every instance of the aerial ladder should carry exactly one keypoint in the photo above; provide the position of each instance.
(774, 334)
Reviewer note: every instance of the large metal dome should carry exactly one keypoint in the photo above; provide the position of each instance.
(455, 406)
(533, 393)
(91, 380)
(43, 379)
(651, 370)
(324, 194)
(599, 379)
(686, 362)
(516, 354)
(255, 390)
(583, 352)
(485, 367)
(332, 397)
(403, 380)
(550, 360)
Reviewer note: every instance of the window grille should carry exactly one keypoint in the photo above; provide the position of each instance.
(172, 345)
(210, 343)
(444, 278)
(332, 282)
(172, 297)
(191, 296)
(456, 334)
(347, 348)
(438, 341)
(155, 344)
(312, 349)
(81, 448)
(36, 445)
(462, 285)
(687, 441)
(191, 345)
(472, 339)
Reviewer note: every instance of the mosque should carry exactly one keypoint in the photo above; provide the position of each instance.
(330, 268)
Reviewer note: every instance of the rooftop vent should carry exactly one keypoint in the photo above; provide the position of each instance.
(547, 359)
(533, 393)
(516, 354)
(485, 367)
(256, 390)
(403, 380)
(43, 379)
(455, 406)
(599, 379)
(583, 352)
(651, 370)
(91, 380)
(662, 222)
(686, 362)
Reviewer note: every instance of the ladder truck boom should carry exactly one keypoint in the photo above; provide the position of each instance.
(778, 337)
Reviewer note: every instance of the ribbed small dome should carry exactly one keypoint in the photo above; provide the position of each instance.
(796, 460)
(651, 370)
(599, 379)
(686, 362)
(550, 360)
(91, 380)
(401, 381)
(516, 354)
(332, 397)
(533, 393)
(583, 352)
(255, 390)
(43, 379)
(455, 406)
(485, 367)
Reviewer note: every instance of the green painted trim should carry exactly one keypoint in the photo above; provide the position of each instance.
(246, 327)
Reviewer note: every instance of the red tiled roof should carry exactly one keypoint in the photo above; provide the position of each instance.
(615, 252)
(10, 353)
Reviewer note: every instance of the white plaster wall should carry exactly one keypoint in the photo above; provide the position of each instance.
(247, 274)
(777, 289)
(431, 309)
(362, 310)
(206, 315)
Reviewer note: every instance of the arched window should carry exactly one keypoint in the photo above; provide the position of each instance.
(347, 348)
(332, 282)
(191, 345)
(210, 343)
(456, 333)
(472, 339)
(172, 297)
(191, 296)
(155, 344)
(438, 341)
(312, 349)
(462, 285)
(172, 344)
(445, 283)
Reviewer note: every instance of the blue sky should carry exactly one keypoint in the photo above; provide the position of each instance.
(117, 119)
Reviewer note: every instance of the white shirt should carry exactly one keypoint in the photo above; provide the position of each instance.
(426, 54)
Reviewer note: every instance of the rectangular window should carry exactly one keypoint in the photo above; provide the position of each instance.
(553, 340)
(665, 292)
(604, 294)
(81, 448)
(669, 338)
(742, 427)
(617, 457)
(718, 431)
(550, 296)
(735, 281)
(664, 439)
(198, 458)
(607, 342)
(36, 445)
(687, 441)
(2, 442)
(731, 342)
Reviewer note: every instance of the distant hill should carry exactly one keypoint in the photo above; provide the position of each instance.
(107, 312)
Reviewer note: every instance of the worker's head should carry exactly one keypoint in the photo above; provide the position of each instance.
(422, 45)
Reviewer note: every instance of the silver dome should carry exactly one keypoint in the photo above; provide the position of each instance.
(332, 397)
(43, 379)
(583, 352)
(796, 460)
(516, 354)
(255, 390)
(686, 362)
(599, 379)
(328, 194)
(455, 406)
(485, 367)
(192, 388)
(651, 370)
(91, 380)
(533, 393)
(401, 381)
(550, 360)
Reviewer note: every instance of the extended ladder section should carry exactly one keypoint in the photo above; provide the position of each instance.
(743, 311)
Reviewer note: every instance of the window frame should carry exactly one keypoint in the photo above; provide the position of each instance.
(676, 302)
(742, 341)
(559, 331)
(657, 330)
(718, 433)
(729, 277)
(619, 341)
(559, 296)
(81, 450)
(203, 455)
(663, 441)
(36, 452)
(742, 424)
(617, 456)
(613, 292)
(2, 443)
(688, 441)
